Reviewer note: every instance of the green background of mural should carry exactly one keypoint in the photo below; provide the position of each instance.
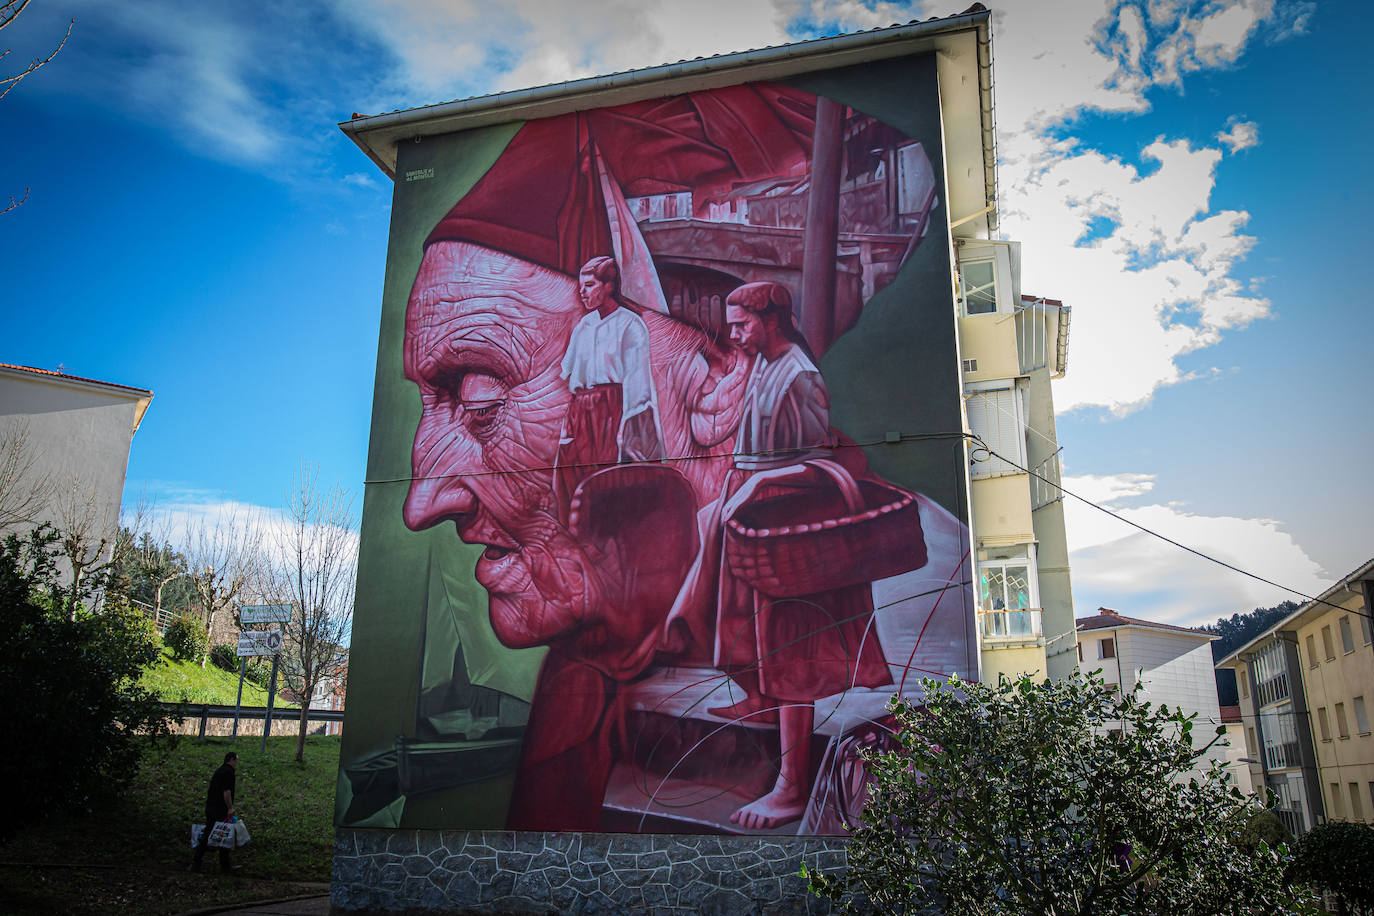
(896, 370)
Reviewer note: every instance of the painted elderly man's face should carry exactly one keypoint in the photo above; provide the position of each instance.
(485, 334)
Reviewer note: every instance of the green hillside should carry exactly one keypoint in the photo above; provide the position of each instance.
(177, 682)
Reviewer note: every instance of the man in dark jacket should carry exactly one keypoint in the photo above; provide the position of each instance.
(219, 806)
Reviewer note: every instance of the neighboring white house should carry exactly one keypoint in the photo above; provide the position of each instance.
(1239, 755)
(65, 439)
(1173, 663)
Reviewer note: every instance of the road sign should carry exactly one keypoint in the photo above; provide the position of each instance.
(265, 613)
(259, 642)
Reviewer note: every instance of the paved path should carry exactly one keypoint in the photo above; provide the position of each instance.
(309, 906)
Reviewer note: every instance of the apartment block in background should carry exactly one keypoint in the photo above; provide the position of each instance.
(1311, 678)
(1174, 665)
(1010, 347)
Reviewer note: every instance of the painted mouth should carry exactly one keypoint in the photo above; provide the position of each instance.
(501, 570)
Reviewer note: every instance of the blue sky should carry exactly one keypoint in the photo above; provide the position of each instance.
(1187, 175)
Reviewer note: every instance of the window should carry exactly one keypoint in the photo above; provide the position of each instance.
(1080, 652)
(1342, 724)
(1361, 717)
(1271, 674)
(1336, 811)
(1323, 723)
(1311, 651)
(1106, 648)
(1371, 793)
(1327, 644)
(1364, 628)
(1244, 683)
(1250, 751)
(1347, 637)
(979, 281)
(1007, 594)
(996, 415)
(1356, 809)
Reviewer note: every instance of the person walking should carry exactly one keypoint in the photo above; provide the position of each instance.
(219, 806)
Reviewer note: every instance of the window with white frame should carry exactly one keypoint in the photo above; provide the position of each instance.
(1008, 591)
(997, 416)
(978, 286)
(1006, 579)
(1106, 648)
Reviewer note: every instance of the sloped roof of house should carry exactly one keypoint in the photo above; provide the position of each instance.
(1364, 571)
(142, 395)
(1109, 618)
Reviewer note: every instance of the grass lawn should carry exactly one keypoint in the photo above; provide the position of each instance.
(176, 682)
(131, 857)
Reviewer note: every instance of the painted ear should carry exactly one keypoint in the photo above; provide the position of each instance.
(642, 517)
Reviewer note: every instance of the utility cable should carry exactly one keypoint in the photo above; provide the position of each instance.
(1194, 551)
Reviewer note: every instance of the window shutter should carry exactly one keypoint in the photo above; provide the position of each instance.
(995, 417)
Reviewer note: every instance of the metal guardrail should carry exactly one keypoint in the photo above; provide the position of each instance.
(207, 711)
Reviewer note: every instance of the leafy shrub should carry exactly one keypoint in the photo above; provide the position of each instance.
(76, 721)
(225, 656)
(1264, 825)
(1338, 857)
(1032, 799)
(185, 636)
(259, 674)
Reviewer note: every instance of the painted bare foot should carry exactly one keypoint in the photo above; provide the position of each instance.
(781, 806)
(755, 709)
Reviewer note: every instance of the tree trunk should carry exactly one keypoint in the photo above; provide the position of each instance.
(307, 688)
(209, 630)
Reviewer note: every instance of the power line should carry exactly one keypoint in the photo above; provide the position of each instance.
(1194, 551)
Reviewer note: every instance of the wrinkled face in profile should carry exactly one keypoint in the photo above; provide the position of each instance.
(748, 329)
(485, 335)
(594, 293)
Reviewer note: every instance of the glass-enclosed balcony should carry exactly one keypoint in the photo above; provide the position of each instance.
(1019, 624)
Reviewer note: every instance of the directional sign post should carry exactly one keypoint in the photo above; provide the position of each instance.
(264, 613)
(260, 642)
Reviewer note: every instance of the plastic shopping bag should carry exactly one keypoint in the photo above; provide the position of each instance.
(222, 835)
(196, 831)
(241, 836)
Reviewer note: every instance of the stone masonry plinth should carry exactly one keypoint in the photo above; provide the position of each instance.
(493, 871)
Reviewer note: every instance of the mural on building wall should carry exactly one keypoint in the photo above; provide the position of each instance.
(699, 592)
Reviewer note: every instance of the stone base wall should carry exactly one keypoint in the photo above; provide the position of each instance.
(432, 871)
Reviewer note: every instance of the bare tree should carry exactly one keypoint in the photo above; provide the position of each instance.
(89, 527)
(9, 11)
(221, 558)
(26, 488)
(147, 541)
(314, 568)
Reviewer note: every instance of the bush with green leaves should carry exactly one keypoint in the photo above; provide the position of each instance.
(225, 656)
(185, 637)
(259, 674)
(1060, 797)
(1338, 857)
(76, 722)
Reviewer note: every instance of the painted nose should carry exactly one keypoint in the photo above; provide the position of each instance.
(432, 501)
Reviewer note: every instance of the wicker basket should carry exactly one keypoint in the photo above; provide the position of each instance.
(818, 540)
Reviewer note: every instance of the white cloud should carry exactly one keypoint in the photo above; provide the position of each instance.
(178, 514)
(1160, 276)
(1117, 565)
(1239, 135)
(360, 180)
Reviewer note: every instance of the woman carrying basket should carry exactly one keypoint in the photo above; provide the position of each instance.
(785, 652)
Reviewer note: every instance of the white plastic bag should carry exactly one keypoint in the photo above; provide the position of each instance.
(196, 831)
(241, 837)
(222, 835)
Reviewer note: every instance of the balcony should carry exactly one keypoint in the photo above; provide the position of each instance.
(1017, 625)
(1045, 480)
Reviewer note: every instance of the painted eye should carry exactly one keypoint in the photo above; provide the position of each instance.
(483, 398)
